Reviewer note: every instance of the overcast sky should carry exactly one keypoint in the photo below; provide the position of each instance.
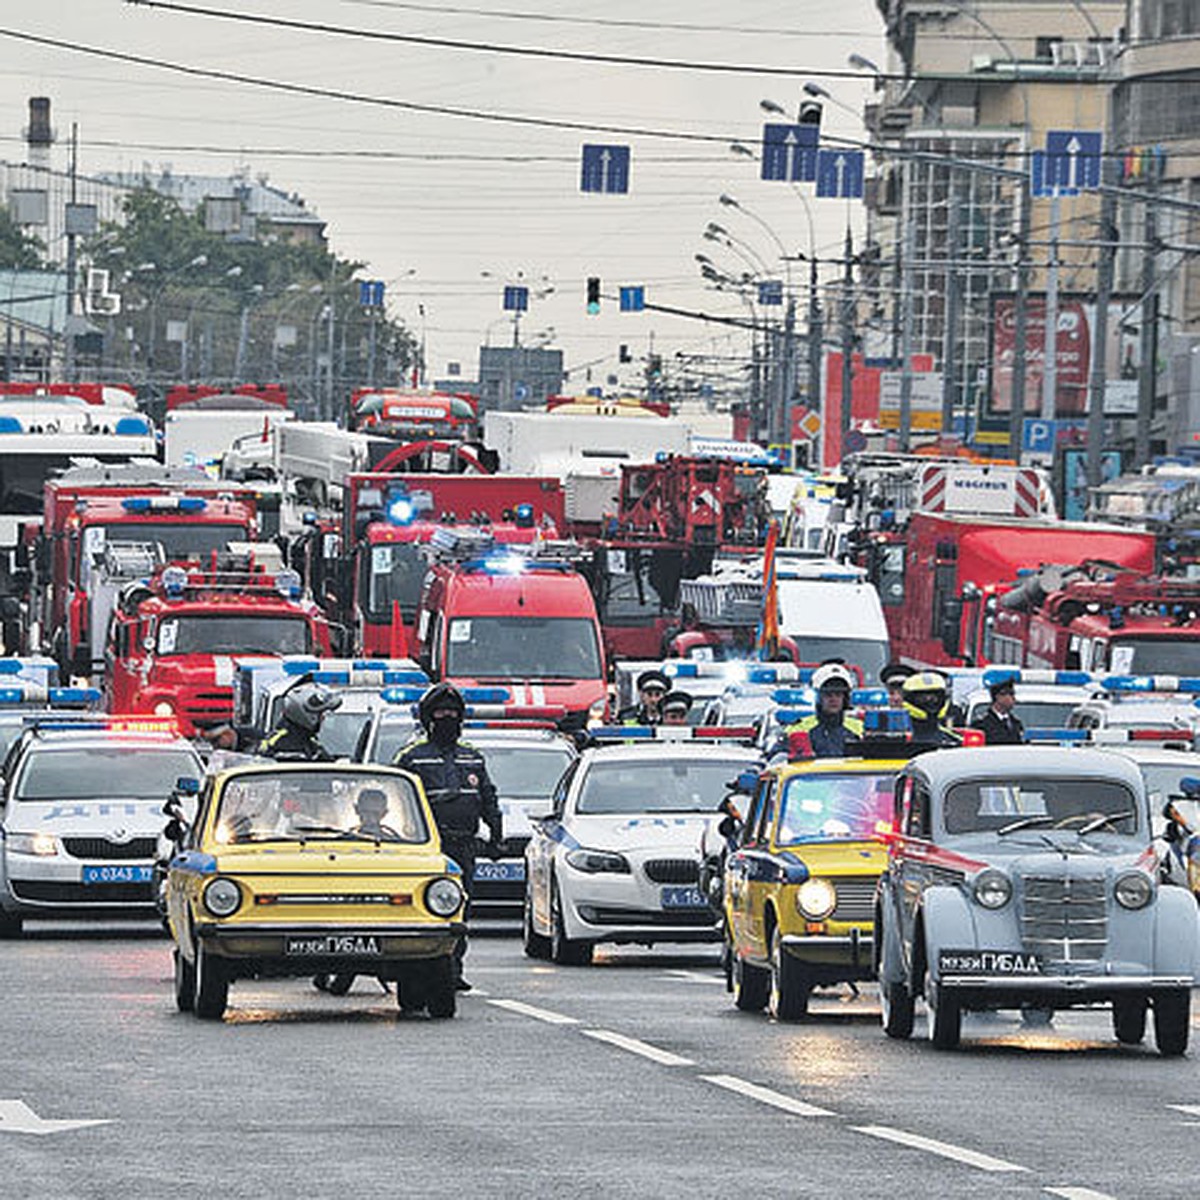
(454, 197)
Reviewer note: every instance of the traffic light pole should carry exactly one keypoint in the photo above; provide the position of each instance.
(847, 346)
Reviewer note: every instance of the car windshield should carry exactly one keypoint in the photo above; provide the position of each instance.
(391, 737)
(133, 772)
(231, 633)
(671, 786)
(397, 571)
(1155, 656)
(834, 806)
(340, 732)
(522, 648)
(526, 772)
(298, 806)
(1033, 714)
(871, 656)
(185, 539)
(977, 806)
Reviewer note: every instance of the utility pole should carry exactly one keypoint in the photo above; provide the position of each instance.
(1104, 283)
(1148, 343)
(69, 332)
(950, 330)
(787, 382)
(847, 344)
(815, 337)
(1050, 352)
(1016, 412)
(906, 324)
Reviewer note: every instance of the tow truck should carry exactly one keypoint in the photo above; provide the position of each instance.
(174, 640)
(176, 512)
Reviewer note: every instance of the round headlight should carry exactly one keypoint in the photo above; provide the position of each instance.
(222, 897)
(163, 709)
(993, 889)
(1134, 890)
(816, 899)
(443, 897)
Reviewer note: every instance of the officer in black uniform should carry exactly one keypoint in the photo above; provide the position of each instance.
(1000, 725)
(652, 687)
(304, 709)
(456, 783)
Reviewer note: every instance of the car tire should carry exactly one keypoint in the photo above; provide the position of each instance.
(10, 925)
(536, 945)
(441, 997)
(1172, 1021)
(212, 986)
(410, 994)
(340, 984)
(751, 986)
(897, 1008)
(944, 1014)
(791, 984)
(567, 952)
(1129, 1019)
(185, 983)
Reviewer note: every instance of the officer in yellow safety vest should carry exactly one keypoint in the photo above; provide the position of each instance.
(830, 730)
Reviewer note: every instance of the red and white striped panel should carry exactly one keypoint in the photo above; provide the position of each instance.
(1028, 494)
(933, 489)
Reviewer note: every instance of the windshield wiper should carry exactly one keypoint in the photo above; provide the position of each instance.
(1107, 819)
(1024, 823)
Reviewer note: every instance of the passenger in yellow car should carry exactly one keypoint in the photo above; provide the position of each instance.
(830, 730)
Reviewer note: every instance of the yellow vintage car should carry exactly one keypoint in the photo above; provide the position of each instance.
(799, 886)
(298, 869)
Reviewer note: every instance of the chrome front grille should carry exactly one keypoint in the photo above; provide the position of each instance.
(102, 848)
(672, 870)
(1064, 918)
(855, 898)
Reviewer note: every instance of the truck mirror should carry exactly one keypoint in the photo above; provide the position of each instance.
(951, 626)
(148, 644)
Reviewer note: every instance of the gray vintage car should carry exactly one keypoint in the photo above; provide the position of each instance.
(1024, 877)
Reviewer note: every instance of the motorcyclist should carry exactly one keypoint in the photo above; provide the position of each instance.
(830, 730)
(304, 709)
(927, 702)
(457, 786)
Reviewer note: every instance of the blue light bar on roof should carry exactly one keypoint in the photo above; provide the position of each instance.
(682, 670)
(23, 666)
(298, 666)
(74, 695)
(869, 697)
(1058, 735)
(402, 695)
(1151, 683)
(622, 733)
(994, 675)
(484, 695)
(793, 696)
(789, 716)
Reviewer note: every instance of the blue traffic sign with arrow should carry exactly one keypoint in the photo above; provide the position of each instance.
(840, 173)
(1073, 158)
(789, 153)
(633, 299)
(516, 299)
(605, 169)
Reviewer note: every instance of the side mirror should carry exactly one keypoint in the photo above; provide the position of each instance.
(536, 818)
(148, 645)
(951, 626)
(175, 830)
(729, 827)
(185, 785)
(745, 783)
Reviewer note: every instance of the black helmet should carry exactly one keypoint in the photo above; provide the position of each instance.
(441, 695)
(306, 704)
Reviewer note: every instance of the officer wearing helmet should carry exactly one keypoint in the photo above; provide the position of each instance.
(456, 784)
(304, 709)
(927, 702)
(830, 730)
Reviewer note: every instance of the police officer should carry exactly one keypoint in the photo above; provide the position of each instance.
(927, 701)
(1000, 725)
(830, 730)
(456, 783)
(304, 709)
(676, 706)
(652, 687)
(892, 677)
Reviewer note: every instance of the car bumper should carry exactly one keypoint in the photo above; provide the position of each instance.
(55, 886)
(852, 952)
(1060, 991)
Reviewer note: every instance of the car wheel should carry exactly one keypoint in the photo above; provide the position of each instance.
(1172, 1019)
(944, 1014)
(212, 986)
(10, 925)
(790, 984)
(751, 985)
(185, 983)
(1129, 1019)
(897, 1007)
(536, 945)
(410, 993)
(567, 952)
(441, 998)
(340, 984)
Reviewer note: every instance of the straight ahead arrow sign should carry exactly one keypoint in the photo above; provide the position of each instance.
(17, 1117)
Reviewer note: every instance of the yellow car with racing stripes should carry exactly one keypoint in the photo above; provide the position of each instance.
(799, 885)
(302, 869)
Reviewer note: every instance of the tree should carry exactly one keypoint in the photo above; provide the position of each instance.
(19, 250)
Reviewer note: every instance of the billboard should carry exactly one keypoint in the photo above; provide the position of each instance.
(1073, 355)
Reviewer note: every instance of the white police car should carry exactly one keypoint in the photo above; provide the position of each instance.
(615, 859)
(81, 815)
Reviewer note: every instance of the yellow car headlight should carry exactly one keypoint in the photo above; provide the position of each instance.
(816, 899)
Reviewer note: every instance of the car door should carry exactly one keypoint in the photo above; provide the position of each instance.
(914, 871)
(545, 839)
(736, 865)
(745, 892)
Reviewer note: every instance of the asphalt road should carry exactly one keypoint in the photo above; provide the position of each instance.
(634, 1077)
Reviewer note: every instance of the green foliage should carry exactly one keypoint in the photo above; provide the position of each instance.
(19, 250)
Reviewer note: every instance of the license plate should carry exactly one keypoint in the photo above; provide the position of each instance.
(333, 945)
(125, 874)
(683, 897)
(503, 872)
(988, 962)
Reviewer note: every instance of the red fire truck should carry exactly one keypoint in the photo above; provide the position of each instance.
(193, 395)
(527, 623)
(1097, 619)
(175, 640)
(388, 521)
(178, 512)
(412, 415)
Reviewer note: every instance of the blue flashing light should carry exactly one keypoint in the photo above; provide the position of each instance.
(1189, 785)
(174, 581)
(483, 695)
(74, 695)
(19, 666)
(793, 695)
(136, 504)
(1190, 685)
(401, 695)
(1072, 678)
(385, 664)
(333, 678)
(401, 510)
(762, 675)
(1128, 683)
(132, 427)
(10, 424)
(682, 670)
(12, 695)
(524, 515)
(288, 584)
(789, 716)
(1025, 572)
(623, 733)
(405, 678)
(1057, 735)
(887, 720)
(192, 504)
(997, 675)
(869, 697)
(298, 666)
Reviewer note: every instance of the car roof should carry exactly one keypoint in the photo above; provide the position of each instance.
(944, 767)
(534, 739)
(669, 751)
(843, 766)
(86, 739)
(274, 767)
(1169, 712)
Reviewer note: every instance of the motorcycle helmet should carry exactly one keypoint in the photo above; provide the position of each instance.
(441, 695)
(306, 704)
(832, 675)
(926, 696)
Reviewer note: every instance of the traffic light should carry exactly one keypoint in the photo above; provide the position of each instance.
(593, 295)
(810, 113)
(624, 355)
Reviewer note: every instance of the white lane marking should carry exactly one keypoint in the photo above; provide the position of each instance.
(970, 1158)
(1077, 1193)
(531, 1010)
(663, 1057)
(17, 1117)
(1188, 1110)
(692, 977)
(764, 1095)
